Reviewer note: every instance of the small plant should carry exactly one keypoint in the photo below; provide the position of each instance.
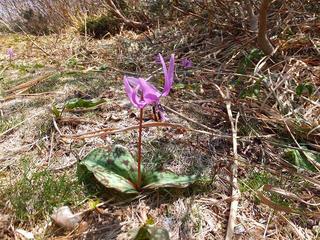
(186, 63)
(8, 123)
(101, 26)
(151, 231)
(255, 181)
(10, 54)
(306, 89)
(36, 194)
(302, 159)
(118, 169)
(72, 62)
(248, 60)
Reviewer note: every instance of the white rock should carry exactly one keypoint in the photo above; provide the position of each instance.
(65, 218)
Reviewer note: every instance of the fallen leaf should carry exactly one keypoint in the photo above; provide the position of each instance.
(25, 234)
(83, 226)
(65, 218)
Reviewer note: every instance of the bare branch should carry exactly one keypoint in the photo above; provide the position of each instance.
(263, 40)
(127, 21)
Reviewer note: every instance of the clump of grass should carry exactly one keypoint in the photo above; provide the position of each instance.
(255, 181)
(7, 123)
(45, 127)
(157, 155)
(91, 186)
(25, 68)
(7, 81)
(36, 194)
(101, 26)
(51, 84)
(37, 102)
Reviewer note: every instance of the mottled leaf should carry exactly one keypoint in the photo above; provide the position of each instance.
(152, 180)
(83, 103)
(121, 161)
(108, 170)
(151, 232)
(117, 169)
(112, 180)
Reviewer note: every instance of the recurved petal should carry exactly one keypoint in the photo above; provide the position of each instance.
(132, 93)
(169, 76)
(164, 67)
(133, 81)
(127, 86)
(150, 93)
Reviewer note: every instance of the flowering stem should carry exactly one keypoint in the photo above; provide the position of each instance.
(140, 148)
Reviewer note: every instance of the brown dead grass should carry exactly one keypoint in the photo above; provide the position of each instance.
(199, 212)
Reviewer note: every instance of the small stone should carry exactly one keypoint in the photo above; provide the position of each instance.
(65, 218)
(239, 229)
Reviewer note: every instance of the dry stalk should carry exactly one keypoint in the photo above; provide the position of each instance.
(263, 40)
(56, 126)
(287, 194)
(29, 95)
(129, 22)
(188, 119)
(33, 42)
(51, 147)
(294, 228)
(234, 167)
(25, 86)
(18, 125)
(267, 225)
(234, 170)
(106, 131)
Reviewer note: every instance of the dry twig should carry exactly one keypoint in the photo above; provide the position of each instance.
(17, 125)
(188, 119)
(106, 131)
(263, 40)
(234, 167)
(25, 86)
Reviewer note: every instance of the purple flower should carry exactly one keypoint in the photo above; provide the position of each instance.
(10, 53)
(157, 59)
(186, 63)
(141, 93)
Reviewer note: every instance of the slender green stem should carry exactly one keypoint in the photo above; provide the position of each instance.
(139, 149)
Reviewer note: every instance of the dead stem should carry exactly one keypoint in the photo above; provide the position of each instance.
(235, 194)
(199, 139)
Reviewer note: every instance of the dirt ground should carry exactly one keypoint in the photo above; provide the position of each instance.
(39, 153)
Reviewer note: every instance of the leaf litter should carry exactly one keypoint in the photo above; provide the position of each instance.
(285, 207)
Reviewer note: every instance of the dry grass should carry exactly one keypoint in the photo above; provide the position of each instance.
(273, 119)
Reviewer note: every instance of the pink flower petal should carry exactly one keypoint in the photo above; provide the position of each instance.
(168, 74)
